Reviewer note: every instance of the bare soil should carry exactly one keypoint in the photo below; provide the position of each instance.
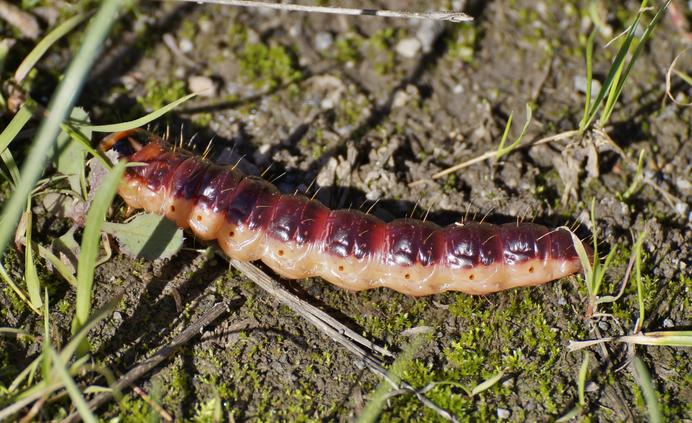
(324, 100)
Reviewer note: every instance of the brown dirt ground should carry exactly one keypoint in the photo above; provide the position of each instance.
(394, 121)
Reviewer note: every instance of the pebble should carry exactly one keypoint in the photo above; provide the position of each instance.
(503, 413)
(400, 99)
(683, 184)
(591, 386)
(580, 85)
(253, 37)
(409, 47)
(202, 85)
(323, 41)
(295, 31)
(326, 176)
(682, 208)
(185, 45)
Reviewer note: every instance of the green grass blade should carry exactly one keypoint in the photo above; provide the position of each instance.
(33, 284)
(37, 392)
(30, 61)
(573, 413)
(504, 136)
(16, 125)
(90, 244)
(96, 317)
(72, 389)
(633, 186)
(670, 338)
(500, 151)
(599, 276)
(685, 77)
(638, 50)
(125, 126)
(589, 79)
(27, 373)
(638, 277)
(374, 407)
(57, 264)
(45, 354)
(582, 379)
(584, 260)
(612, 94)
(60, 106)
(616, 68)
(5, 46)
(14, 332)
(78, 136)
(648, 391)
(487, 384)
(8, 159)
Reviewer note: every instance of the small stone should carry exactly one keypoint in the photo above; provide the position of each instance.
(326, 176)
(580, 85)
(185, 45)
(591, 386)
(205, 26)
(409, 47)
(253, 37)
(682, 208)
(202, 85)
(323, 41)
(400, 99)
(667, 323)
(683, 184)
(458, 89)
(503, 413)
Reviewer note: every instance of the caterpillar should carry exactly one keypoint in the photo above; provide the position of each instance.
(299, 237)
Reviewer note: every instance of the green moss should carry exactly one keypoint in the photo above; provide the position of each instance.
(161, 93)
(18, 305)
(265, 65)
(346, 48)
(64, 306)
(382, 40)
(462, 41)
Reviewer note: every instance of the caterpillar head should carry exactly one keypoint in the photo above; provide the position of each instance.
(126, 143)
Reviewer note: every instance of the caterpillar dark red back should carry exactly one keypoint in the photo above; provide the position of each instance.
(299, 237)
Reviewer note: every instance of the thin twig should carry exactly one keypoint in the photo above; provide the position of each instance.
(328, 325)
(134, 374)
(491, 154)
(322, 320)
(437, 16)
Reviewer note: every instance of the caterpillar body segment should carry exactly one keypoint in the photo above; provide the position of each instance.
(298, 237)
